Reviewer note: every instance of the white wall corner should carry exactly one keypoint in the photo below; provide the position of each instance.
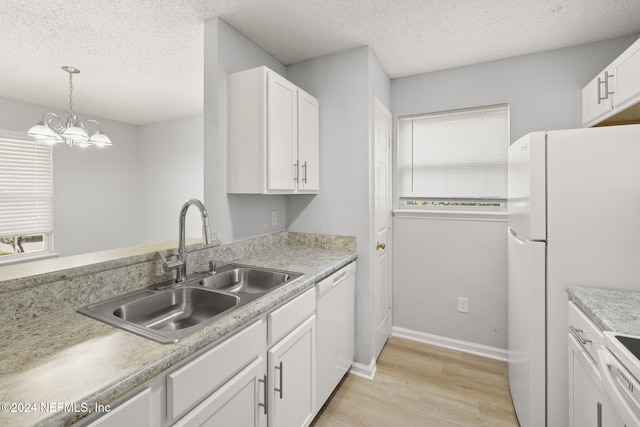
(452, 344)
(367, 372)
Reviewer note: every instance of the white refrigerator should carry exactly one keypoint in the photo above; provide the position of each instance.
(574, 219)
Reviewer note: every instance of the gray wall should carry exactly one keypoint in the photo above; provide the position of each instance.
(543, 90)
(235, 216)
(123, 195)
(91, 185)
(437, 260)
(344, 84)
(170, 171)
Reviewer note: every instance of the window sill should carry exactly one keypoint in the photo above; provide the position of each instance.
(451, 215)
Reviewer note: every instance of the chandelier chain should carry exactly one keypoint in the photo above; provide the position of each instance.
(70, 92)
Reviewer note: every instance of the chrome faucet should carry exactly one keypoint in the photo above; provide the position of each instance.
(180, 265)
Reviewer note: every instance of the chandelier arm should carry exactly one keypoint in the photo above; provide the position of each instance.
(49, 121)
(94, 122)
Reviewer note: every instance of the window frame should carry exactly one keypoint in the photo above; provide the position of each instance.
(452, 204)
(47, 236)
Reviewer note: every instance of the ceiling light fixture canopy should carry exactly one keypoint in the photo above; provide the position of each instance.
(52, 130)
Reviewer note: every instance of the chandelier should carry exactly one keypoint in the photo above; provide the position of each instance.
(52, 130)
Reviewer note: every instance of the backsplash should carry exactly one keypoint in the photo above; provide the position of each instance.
(66, 290)
(324, 241)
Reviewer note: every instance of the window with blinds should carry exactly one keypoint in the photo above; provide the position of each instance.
(454, 159)
(26, 196)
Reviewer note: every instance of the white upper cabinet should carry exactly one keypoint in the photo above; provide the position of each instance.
(613, 96)
(308, 144)
(272, 135)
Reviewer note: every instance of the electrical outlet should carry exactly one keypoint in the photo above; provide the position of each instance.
(274, 218)
(463, 305)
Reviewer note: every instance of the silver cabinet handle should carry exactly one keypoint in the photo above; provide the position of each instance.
(279, 390)
(578, 334)
(266, 393)
(606, 84)
(599, 415)
(600, 98)
(295, 165)
(305, 172)
(606, 87)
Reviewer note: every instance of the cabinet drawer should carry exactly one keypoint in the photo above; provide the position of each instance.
(197, 379)
(586, 328)
(290, 315)
(135, 411)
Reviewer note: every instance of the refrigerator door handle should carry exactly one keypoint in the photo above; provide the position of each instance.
(515, 236)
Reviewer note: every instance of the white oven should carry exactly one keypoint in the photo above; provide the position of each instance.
(619, 361)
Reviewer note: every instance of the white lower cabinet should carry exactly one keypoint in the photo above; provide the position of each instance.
(292, 374)
(262, 376)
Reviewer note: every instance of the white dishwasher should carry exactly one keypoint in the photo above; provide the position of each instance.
(334, 330)
(620, 366)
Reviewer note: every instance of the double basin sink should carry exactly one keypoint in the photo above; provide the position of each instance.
(169, 313)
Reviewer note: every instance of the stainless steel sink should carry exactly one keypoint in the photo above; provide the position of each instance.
(242, 279)
(170, 314)
(174, 309)
(165, 316)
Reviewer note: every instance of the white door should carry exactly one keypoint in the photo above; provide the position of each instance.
(381, 236)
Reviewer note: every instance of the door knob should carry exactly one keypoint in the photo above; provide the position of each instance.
(380, 246)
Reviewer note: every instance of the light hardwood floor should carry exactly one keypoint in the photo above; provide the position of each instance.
(422, 385)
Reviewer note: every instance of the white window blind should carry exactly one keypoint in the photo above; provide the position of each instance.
(26, 187)
(455, 155)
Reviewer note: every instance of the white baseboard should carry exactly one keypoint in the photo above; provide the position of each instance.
(367, 372)
(453, 344)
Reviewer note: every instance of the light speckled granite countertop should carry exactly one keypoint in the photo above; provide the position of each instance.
(611, 309)
(71, 358)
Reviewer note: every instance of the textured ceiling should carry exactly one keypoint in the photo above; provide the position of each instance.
(141, 60)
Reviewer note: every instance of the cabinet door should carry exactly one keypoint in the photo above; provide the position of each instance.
(282, 146)
(627, 72)
(239, 403)
(585, 400)
(595, 102)
(292, 377)
(308, 142)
